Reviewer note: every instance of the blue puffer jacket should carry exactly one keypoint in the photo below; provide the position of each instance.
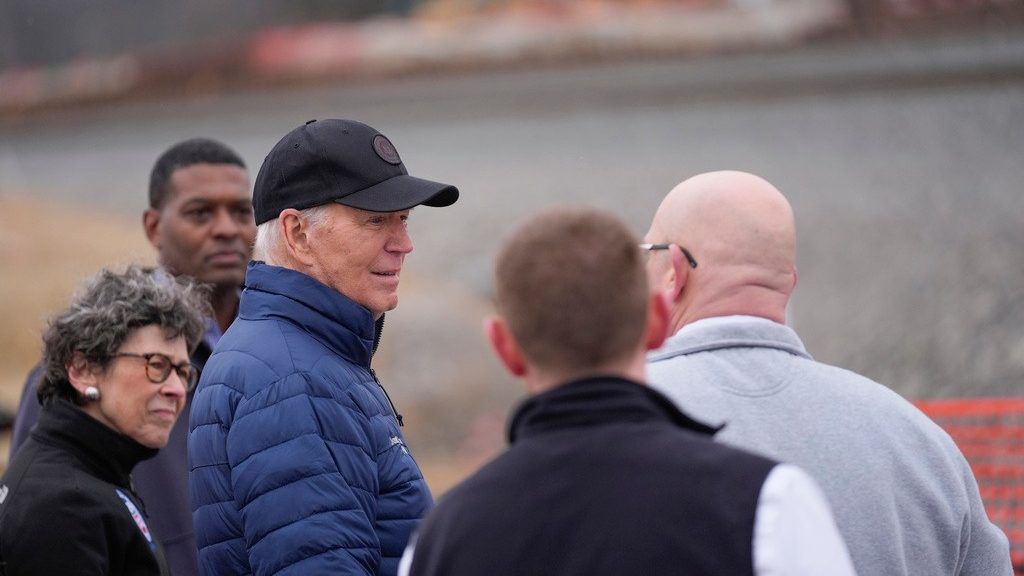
(297, 463)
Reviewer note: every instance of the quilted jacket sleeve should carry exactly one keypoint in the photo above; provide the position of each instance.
(303, 474)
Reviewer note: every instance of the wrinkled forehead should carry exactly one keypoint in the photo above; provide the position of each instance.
(221, 182)
(155, 338)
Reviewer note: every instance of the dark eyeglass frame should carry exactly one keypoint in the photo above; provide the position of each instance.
(187, 371)
(652, 247)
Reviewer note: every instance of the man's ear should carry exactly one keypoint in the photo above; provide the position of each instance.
(81, 372)
(295, 234)
(657, 321)
(796, 278)
(505, 346)
(679, 273)
(151, 225)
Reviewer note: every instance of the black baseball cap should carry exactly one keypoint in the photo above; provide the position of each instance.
(341, 161)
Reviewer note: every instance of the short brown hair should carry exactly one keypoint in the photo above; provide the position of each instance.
(572, 287)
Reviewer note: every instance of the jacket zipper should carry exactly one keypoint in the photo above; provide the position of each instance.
(394, 410)
(378, 328)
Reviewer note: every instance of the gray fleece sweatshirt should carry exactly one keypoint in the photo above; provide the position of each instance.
(903, 495)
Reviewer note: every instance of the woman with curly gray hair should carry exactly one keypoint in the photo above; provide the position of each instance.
(116, 374)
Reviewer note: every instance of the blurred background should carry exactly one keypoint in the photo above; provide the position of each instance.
(895, 127)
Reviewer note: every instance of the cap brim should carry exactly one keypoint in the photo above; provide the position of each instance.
(401, 193)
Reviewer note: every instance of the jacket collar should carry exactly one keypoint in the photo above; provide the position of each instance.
(730, 332)
(329, 316)
(593, 402)
(109, 455)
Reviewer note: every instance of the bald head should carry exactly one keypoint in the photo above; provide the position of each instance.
(740, 230)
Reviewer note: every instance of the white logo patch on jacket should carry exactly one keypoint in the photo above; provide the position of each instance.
(395, 440)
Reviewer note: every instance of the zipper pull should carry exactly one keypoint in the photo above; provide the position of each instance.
(398, 417)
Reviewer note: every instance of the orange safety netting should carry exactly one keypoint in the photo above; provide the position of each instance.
(990, 433)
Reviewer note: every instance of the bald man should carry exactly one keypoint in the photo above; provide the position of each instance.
(723, 250)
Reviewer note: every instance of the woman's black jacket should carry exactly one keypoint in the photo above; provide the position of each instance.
(66, 503)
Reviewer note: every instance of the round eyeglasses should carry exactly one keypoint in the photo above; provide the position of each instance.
(159, 366)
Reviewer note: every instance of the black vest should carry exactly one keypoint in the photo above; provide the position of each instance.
(603, 476)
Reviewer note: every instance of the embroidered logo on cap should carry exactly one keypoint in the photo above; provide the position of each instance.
(386, 150)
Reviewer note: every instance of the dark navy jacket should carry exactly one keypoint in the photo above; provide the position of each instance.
(604, 476)
(297, 463)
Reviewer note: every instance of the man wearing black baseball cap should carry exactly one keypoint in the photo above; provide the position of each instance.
(297, 458)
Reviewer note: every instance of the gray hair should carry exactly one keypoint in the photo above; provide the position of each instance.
(268, 234)
(107, 308)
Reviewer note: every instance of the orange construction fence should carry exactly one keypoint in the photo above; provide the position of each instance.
(990, 433)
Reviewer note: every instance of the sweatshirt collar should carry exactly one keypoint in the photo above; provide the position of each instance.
(730, 332)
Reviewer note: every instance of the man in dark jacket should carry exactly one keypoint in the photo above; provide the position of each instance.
(297, 462)
(200, 222)
(605, 475)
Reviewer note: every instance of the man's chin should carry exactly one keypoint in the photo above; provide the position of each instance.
(378, 310)
(223, 279)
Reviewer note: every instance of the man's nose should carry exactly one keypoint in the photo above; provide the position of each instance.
(225, 224)
(400, 240)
